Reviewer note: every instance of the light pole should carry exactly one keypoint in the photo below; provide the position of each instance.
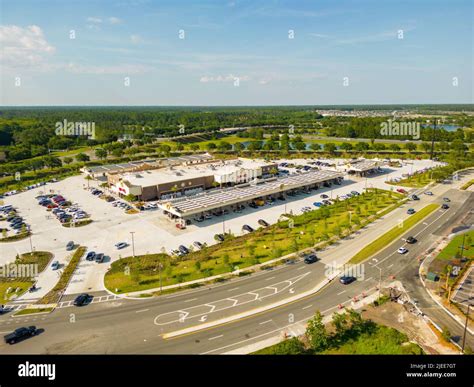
(133, 243)
(160, 268)
(465, 327)
(31, 243)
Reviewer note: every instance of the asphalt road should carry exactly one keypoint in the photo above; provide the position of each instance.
(136, 326)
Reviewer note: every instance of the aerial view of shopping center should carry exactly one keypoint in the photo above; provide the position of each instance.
(170, 186)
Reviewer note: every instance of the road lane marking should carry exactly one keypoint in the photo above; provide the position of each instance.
(192, 299)
(341, 293)
(268, 279)
(216, 337)
(230, 290)
(309, 306)
(265, 322)
(143, 310)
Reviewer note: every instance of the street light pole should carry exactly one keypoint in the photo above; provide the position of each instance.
(133, 243)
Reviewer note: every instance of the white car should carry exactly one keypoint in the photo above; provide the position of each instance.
(402, 250)
(429, 193)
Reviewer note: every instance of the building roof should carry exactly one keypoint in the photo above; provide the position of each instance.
(186, 172)
(209, 200)
(114, 168)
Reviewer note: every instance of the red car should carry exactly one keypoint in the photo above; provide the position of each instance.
(401, 190)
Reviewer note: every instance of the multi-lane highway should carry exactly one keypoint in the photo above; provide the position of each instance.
(138, 326)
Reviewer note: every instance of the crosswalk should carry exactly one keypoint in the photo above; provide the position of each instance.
(62, 304)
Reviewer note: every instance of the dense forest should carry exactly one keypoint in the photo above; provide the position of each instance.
(30, 132)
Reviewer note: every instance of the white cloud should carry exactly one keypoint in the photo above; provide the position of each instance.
(123, 69)
(318, 35)
(114, 20)
(96, 20)
(223, 78)
(23, 47)
(136, 39)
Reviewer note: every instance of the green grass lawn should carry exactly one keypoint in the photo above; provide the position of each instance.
(367, 339)
(41, 258)
(142, 272)
(32, 311)
(22, 284)
(453, 249)
(383, 341)
(392, 234)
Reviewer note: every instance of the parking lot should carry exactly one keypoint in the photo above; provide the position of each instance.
(464, 293)
(152, 231)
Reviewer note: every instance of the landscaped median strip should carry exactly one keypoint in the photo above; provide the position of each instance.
(392, 234)
(35, 309)
(54, 294)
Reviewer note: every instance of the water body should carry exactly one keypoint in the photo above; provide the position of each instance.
(447, 127)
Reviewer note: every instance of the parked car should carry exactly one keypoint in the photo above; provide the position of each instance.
(318, 204)
(323, 196)
(246, 227)
(263, 223)
(411, 211)
(90, 256)
(446, 200)
(414, 197)
(121, 245)
(444, 206)
(99, 258)
(346, 279)
(20, 334)
(219, 237)
(70, 246)
(83, 299)
(198, 245)
(183, 249)
(55, 265)
(429, 193)
(311, 258)
(411, 240)
(355, 193)
(401, 190)
(402, 250)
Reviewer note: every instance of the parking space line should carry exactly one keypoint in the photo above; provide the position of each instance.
(265, 322)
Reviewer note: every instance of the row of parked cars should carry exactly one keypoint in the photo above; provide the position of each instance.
(110, 199)
(13, 218)
(61, 208)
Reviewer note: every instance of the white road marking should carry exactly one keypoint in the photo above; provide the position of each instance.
(388, 267)
(341, 293)
(230, 290)
(309, 306)
(143, 310)
(265, 322)
(192, 299)
(215, 337)
(368, 279)
(268, 279)
(301, 268)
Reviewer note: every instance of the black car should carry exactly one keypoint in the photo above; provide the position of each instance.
(261, 222)
(99, 258)
(346, 279)
(282, 198)
(20, 334)
(183, 249)
(411, 240)
(444, 206)
(90, 256)
(246, 227)
(253, 205)
(311, 258)
(82, 299)
(219, 237)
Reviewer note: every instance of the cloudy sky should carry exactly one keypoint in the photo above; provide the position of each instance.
(160, 52)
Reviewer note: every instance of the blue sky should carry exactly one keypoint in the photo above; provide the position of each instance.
(236, 52)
